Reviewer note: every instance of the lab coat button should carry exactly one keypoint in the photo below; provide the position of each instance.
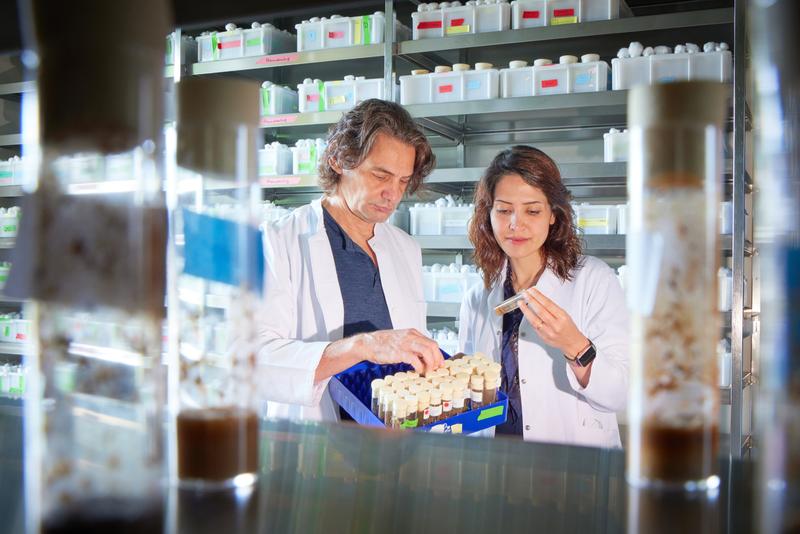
(499, 332)
(527, 427)
(524, 380)
(522, 334)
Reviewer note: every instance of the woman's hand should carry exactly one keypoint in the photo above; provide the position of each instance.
(553, 324)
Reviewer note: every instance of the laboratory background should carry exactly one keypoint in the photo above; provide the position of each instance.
(166, 315)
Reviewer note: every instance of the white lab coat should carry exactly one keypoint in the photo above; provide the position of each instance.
(304, 311)
(555, 407)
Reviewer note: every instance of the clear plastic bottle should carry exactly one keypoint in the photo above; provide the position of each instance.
(213, 396)
(673, 256)
(94, 452)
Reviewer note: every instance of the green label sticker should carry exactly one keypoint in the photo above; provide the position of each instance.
(488, 413)
(410, 424)
(320, 100)
(253, 42)
(367, 29)
(265, 101)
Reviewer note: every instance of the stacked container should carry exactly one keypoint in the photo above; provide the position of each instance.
(516, 80)
(341, 95)
(310, 96)
(234, 42)
(445, 217)
(658, 65)
(306, 154)
(569, 76)
(615, 145)
(337, 31)
(448, 283)
(11, 171)
(535, 13)
(596, 219)
(446, 84)
(277, 99)
(432, 21)
(274, 159)
(188, 49)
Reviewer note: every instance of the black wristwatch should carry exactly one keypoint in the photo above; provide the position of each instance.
(586, 358)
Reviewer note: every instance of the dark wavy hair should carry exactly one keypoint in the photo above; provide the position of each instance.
(562, 248)
(351, 139)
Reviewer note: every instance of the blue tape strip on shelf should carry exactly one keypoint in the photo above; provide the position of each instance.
(351, 390)
(223, 251)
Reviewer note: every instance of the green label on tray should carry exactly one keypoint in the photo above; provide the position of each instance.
(488, 413)
(410, 424)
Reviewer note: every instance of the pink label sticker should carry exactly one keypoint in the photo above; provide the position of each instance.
(335, 35)
(272, 181)
(446, 88)
(229, 44)
(278, 58)
(312, 98)
(277, 120)
(549, 83)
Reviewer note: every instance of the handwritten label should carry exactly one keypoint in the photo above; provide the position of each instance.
(276, 59)
(272, 181)
(276, 120)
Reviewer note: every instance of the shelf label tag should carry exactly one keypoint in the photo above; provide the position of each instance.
(272, 181)
(446, 88)
(276, 59)
(531, 14)
(429, 25)
(549, 83)
(277, 120)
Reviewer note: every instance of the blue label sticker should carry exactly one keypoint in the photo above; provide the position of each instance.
(474, 84)
(583, 79)
(223, 251)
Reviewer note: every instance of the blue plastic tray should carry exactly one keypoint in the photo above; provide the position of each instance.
(351, 390)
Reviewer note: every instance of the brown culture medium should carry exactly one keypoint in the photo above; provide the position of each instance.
(217, 443)
(678, 454)
(107, 514)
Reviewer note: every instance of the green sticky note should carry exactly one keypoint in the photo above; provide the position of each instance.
(488, 413)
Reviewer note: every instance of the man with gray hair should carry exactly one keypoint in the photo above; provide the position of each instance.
(342, 285)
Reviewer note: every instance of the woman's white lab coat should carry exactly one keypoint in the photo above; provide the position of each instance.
(555, 407)
(303, 309)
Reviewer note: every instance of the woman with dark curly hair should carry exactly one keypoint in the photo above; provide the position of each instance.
(564, 351)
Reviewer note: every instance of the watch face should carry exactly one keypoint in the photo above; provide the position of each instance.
(587, 357)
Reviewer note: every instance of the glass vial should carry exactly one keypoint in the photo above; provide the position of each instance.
(388, 408)
(476, 391)
(447, 400)
(412, 420)
(214, 206)
(424, 408)
(491, 384)
(398, 412)
(375, 388)
(673, 256)
(436, 405)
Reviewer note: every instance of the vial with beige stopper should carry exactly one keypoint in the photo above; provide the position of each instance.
(398, 412)
(412, 419)
(491, 379)
(476, 391)
(436, 405)
(376, 387)
(447, 400)
(424, 408)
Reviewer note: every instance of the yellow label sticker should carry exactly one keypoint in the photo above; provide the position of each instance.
(592, 223)
(454, 30)
(341, 99)
(358, 26)
(456, 429)
(555, 21)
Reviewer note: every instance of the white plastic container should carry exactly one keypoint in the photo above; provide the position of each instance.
(492, 16)
(340, 95)
(725, 363)
(449, 284)
(9, 221)
(6, 172)
(447, 340)
(590, 75)
(309, 35)
(528, 14)
(725, 288)
(207, 47)
(428, 284)
(424, 219)
(458, 19)
(277, 99)
(399, 218)
(187, 53)
(310, 96)
(306, 154)
(596, 219)
(664, 68)
(338, 32)
(447, 84)
(615, 145)
(369, 88)
(427, 23)
(549, 78)
(454, 218)
(726, 218)
(5, 267)
(482, 83)
(274, 159)
(230, 42)
(516, 80)
(262, 39)
(564, 12)
(416, 88)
